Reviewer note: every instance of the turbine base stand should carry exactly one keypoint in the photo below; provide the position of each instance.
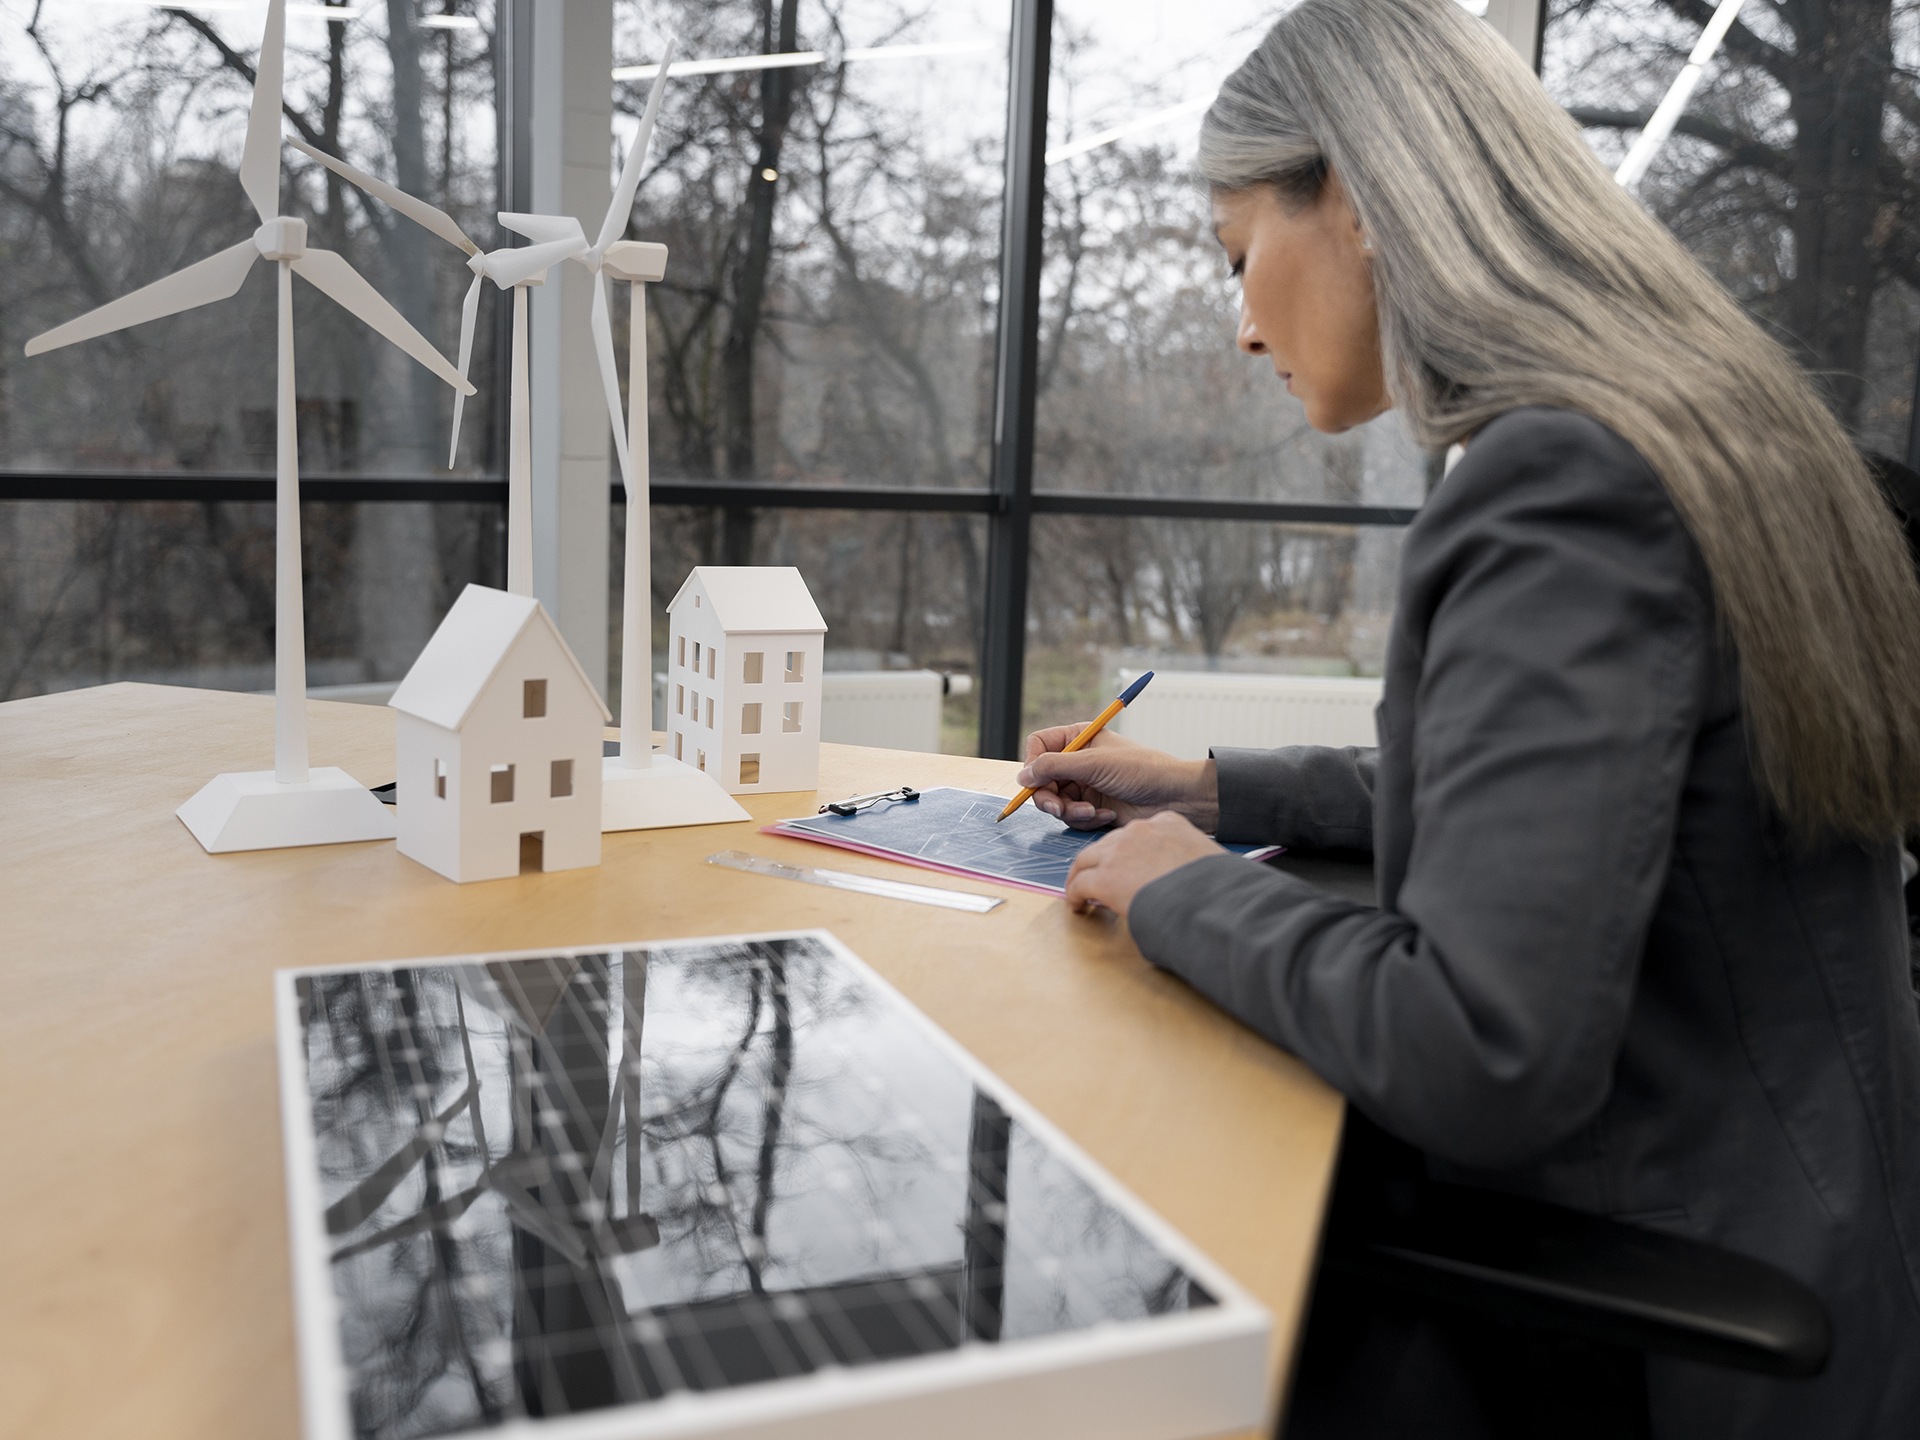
(251, 810)
(665, 793)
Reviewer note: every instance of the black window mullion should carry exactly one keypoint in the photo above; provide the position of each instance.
(1016, 374)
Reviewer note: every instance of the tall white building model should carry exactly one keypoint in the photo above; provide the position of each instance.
(744, 650)
(498, 736)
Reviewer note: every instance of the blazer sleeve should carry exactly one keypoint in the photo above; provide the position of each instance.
(1307, 795)
(1564, 632)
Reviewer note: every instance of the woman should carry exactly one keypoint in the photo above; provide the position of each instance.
(1651, 722)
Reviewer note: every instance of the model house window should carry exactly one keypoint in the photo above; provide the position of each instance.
(680, 645)
(677, 746)
(440, 779)
(679, 699)
(696, 657)
(695, 711)
(796, 666)
(749, 769)
(750, 719)
(502, 777)
(713, 657)
(790, 717)
(560, 783)
(709, 712)
(752, 666)
(700, 759)
(533, 699)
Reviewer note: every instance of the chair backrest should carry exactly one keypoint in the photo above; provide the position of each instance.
(1901, 485)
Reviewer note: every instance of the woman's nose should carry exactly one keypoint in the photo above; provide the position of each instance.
(1249, 338)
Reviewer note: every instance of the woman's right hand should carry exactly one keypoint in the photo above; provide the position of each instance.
(1116, 779)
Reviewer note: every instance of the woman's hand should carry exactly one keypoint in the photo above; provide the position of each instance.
(1111, 871)
(1116, 779)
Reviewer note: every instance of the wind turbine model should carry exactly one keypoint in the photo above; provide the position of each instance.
(640, 790)
(518, 270)
(290, 804)
(557, 238)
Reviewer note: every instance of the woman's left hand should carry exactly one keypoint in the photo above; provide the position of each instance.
(1112, 870)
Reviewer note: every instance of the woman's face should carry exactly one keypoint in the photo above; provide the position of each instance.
(1306, 289)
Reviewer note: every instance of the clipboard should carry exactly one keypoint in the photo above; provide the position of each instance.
(954, 831)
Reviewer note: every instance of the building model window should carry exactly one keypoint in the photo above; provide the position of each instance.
(560, 783)
(796, 666)
(502, 778)
(753, 666)
(709, 712)
(713, 660)
(790, 717)
(696, 657)
(679, 699)
(680, 647)
(533, 699)
(440, 779)
(749, 769)
(750, 719)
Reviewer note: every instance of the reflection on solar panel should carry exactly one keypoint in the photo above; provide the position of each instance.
(713, 1187)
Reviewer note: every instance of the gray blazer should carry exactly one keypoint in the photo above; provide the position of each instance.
(1601, 972)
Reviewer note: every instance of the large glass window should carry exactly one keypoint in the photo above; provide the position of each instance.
(120, 132)
(1142, 393)
(1792, 174)
(828, 312)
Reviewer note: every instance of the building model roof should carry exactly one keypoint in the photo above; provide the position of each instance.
(760, 599)
(464, 652)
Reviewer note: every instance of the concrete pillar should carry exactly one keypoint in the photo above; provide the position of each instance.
(571, 142)
(1518, 22)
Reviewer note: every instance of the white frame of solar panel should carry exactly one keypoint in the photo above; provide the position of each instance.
(1185, 1374)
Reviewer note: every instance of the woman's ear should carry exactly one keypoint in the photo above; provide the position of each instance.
(1333, 193)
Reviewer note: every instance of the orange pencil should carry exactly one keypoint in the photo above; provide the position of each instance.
(1085, 737)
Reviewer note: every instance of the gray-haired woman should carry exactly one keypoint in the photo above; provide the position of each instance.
(1651, 724)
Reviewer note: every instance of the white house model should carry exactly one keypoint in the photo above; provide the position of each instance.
(744, 649)
(498, 737)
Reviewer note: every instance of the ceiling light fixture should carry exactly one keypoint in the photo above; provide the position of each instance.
(1133, 127)
(727, 64)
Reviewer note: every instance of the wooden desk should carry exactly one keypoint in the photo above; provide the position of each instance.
(144, 1285)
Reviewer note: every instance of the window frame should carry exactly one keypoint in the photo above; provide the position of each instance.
(1009, 502)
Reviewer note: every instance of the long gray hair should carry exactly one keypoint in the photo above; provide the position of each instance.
(1510, 270)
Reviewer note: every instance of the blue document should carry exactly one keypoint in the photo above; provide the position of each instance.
(955, 831)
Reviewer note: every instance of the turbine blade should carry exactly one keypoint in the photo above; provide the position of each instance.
(544, 229)
(615, 225)
(610, 378)
(214, 278)
(260, 161)
(467, 314)
(340, 282)
(507, 268)
(418, 211)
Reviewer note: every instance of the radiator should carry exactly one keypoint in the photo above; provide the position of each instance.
(893, 709)
(1185, 712)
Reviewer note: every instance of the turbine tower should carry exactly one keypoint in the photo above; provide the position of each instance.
(291, 804)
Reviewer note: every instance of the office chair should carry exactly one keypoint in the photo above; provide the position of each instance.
(1500, 1317)
(1901, 485)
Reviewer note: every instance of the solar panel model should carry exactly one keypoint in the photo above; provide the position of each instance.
(715, 1187)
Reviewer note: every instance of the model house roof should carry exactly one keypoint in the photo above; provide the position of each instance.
(465, 651)
(762, 599)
